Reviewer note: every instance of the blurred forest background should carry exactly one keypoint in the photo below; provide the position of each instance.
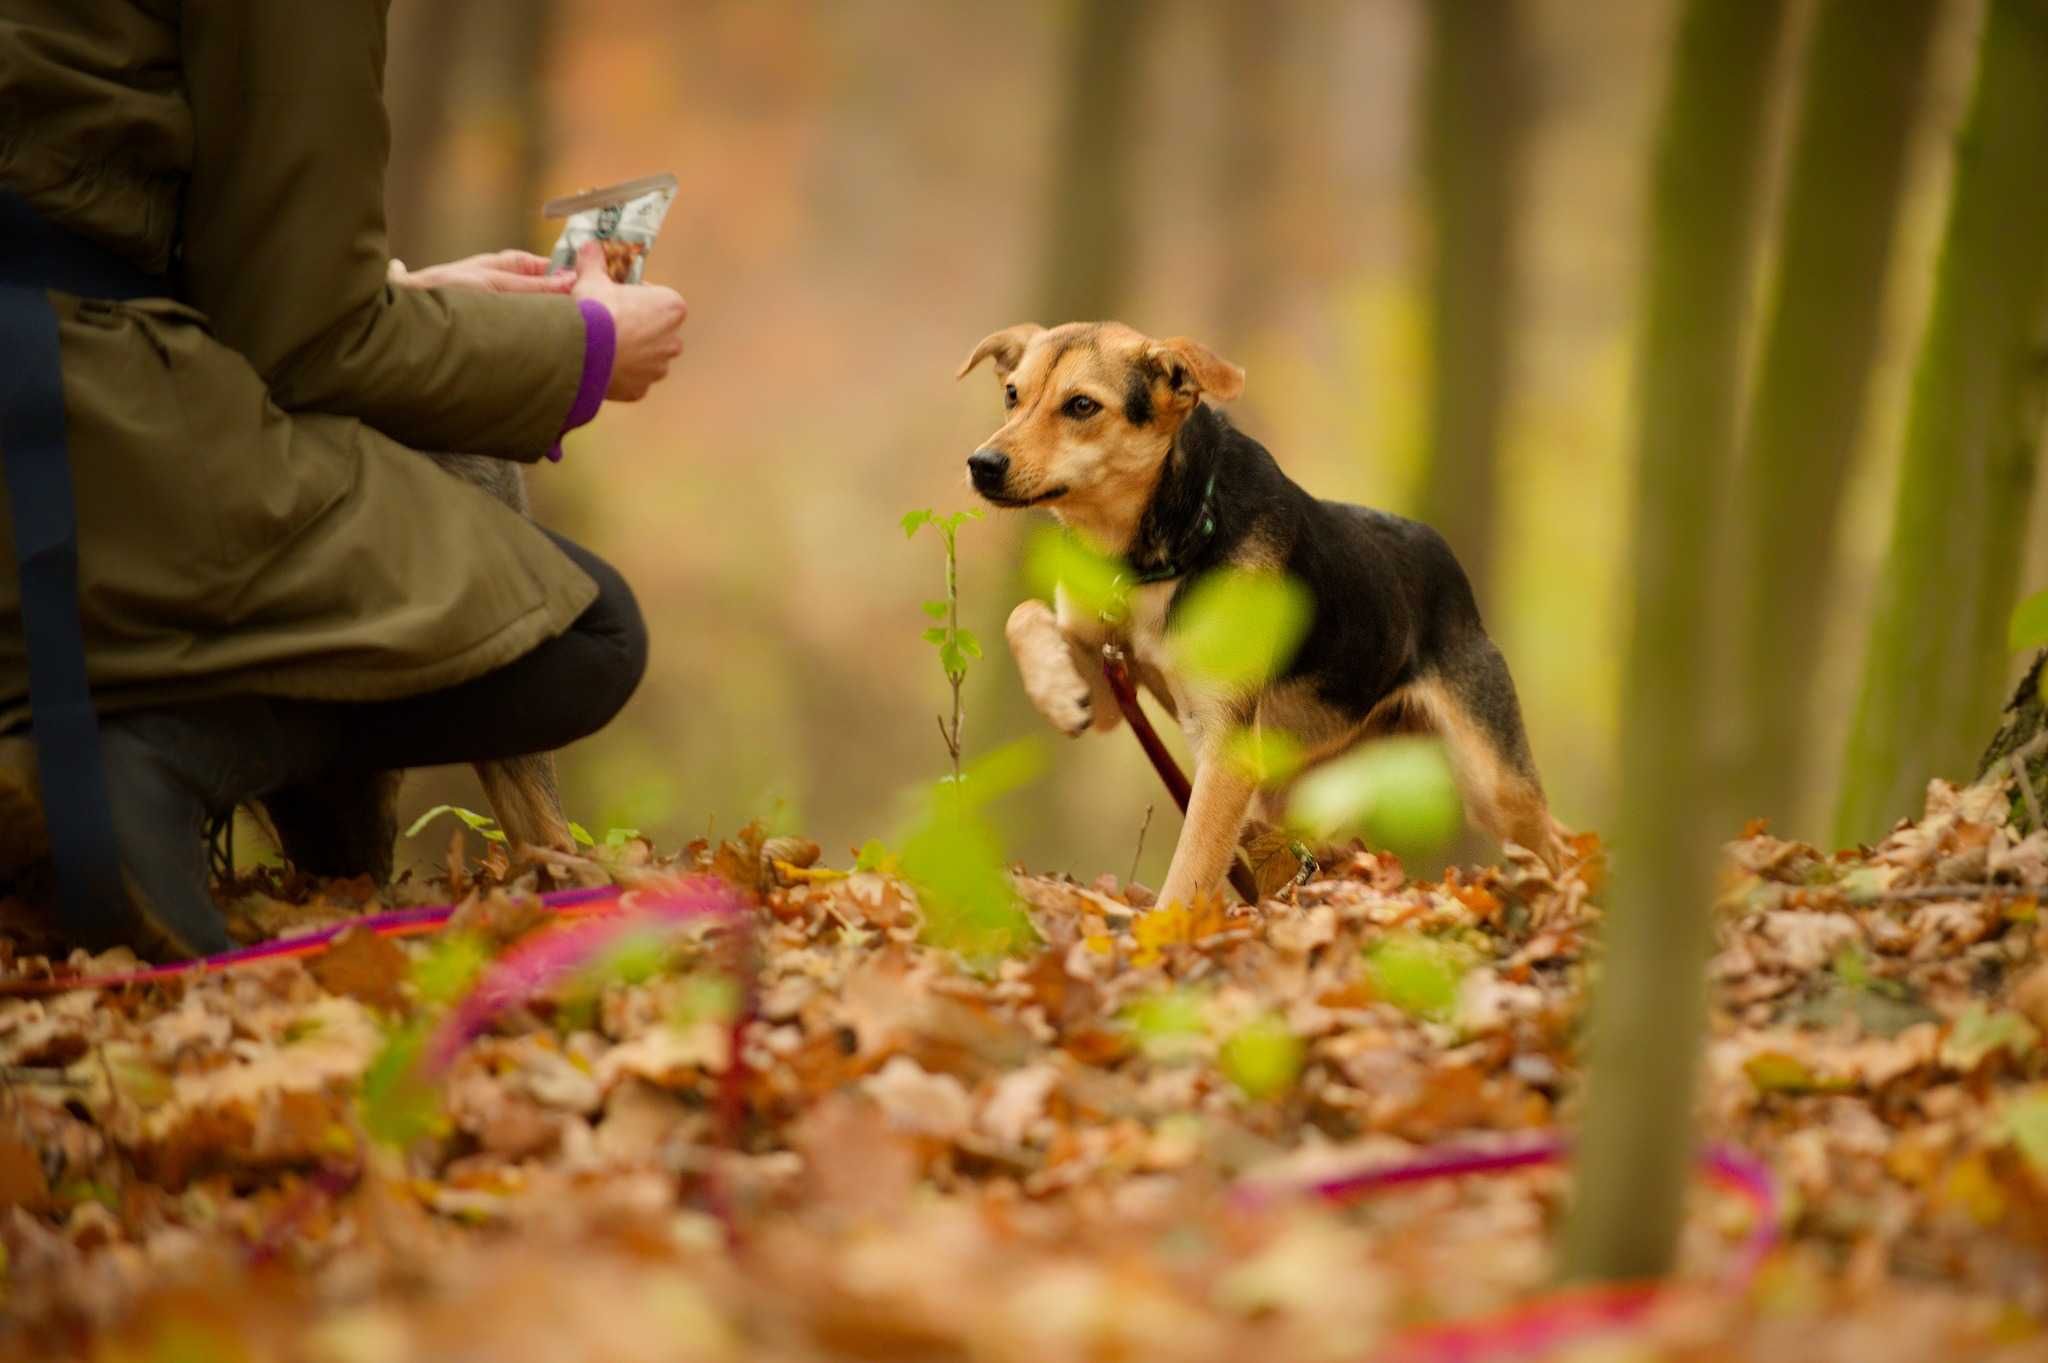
(1423, 229)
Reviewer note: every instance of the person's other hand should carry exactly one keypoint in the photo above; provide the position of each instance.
(647, 321)
(497, 272)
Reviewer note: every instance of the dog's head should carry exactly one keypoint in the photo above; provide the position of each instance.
(1092, 410)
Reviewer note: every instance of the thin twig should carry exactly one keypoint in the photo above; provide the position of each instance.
(2019, 770)
(1138, 855)
(1974, 890)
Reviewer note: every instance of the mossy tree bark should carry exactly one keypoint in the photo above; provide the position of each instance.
(1935, 658)
(1864, 71)
(1649, 1007)
(1475, 111)
(2022, 739)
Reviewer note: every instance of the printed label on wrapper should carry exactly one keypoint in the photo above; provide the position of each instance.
(624, 219)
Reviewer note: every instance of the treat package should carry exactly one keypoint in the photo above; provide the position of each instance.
(623, 218)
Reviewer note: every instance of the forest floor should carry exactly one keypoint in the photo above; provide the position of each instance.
(1046, 1158)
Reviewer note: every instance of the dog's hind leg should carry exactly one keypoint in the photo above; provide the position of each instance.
(1469, 701)
(527, 801)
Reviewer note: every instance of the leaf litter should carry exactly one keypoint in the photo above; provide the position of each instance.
(1035, 1155)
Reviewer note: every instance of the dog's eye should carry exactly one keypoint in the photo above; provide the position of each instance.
(1009, 395)
(1081, 405)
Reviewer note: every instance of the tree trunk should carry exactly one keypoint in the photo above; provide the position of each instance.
(1473, 119)
(1088, 232)
(419, 86)
(2023, 734)
(1252, 35)
(1649, 1011)
(1863, 78)
(1930, 669)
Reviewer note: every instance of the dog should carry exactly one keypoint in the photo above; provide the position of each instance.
(1108, 430)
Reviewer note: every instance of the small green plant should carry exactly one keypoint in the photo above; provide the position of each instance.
(482, 824)
(956, 645)
(952, 855)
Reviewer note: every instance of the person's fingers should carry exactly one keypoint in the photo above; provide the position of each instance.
(521, 262)
(507, 282)
(590, 267)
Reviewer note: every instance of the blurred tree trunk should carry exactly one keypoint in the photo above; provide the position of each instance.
(1473, 120)
(462, 74)
(1649, 1010)
(419, 81)
(1862, 84)
(1252, 36)
(1088, 228)
(1936, 657)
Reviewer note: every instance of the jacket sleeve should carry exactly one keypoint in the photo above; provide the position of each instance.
(284, 244)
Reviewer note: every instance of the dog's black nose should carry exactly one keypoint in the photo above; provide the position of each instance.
(988, 468)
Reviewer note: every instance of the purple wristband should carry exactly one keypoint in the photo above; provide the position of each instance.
(600, 344)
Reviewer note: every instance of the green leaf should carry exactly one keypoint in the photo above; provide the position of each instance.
(448, 970)
(1777, 1072)
(1268, 756)
(913, 521)
(1979, 1032)
(618, 837)
(481, 823)
(935, 635)
(969, 645)
(2029, 627)
(1263, 1058)
(952, 856)
(1419, 975)
(399, 1104)
(2025, 1124)
(1238, 628)
(1055, 560)
(581, 834)
(634, 958)
(937, 610)
(706, 998)
(1398, 793)
(873, 856)
(1169, 1024)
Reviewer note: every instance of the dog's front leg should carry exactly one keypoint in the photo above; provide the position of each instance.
(1062, 674)
(1222, 797)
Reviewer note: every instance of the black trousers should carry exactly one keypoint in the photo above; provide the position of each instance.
(565, 689)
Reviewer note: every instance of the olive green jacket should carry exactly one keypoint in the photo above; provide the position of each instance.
(252, 513)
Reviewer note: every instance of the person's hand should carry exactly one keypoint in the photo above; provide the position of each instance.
(647, 323)
(497, 272)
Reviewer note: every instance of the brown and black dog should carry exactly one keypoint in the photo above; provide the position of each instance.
(1106, 428)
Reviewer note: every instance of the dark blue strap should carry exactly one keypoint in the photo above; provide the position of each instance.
(36, 462)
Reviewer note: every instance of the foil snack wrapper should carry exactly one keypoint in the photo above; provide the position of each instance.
(624, 219)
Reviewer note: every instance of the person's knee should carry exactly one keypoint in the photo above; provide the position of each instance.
(616, 622)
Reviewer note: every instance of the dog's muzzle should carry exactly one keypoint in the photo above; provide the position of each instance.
(989, 470)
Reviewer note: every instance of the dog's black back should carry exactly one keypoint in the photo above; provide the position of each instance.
(1392, 605)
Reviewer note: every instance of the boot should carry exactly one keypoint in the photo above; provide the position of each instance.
(339, 825)
(169, 773)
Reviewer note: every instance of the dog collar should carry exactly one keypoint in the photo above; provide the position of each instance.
(1175, 562)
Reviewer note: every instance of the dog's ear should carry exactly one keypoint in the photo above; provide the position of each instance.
(1006, 346)
(1188, 368)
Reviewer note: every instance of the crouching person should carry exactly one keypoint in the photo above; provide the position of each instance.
(229, 574)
